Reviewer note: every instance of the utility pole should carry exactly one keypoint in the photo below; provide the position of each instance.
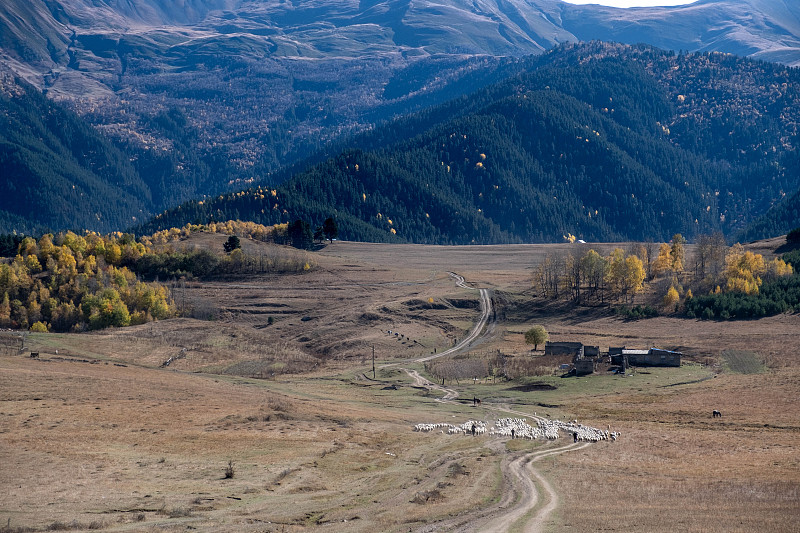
(373, 361)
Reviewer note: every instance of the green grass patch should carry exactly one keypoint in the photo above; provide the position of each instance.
(743, 362)
(566, 390)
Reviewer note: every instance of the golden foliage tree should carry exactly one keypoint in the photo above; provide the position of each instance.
(672, 297)
(663, 262)
(743, 270)
(677, 253)
(634, 276)
(536, 336)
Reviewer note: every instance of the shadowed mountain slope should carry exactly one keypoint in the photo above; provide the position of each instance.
(604, 142)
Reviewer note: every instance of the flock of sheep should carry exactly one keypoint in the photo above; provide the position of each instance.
(519, 428)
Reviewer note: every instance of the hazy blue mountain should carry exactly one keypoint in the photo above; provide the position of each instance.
(761, 29)
(248, 72)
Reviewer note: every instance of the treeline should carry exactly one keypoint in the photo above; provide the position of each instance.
(589, 276)
(753, 287)
(774, 297)
(730, 282)
(166, 258)
(70, 282)
(618, 147)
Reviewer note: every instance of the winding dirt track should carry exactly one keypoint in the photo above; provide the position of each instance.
(477, 330)
(519, 506)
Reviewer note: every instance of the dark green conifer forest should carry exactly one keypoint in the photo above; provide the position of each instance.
(633, 144)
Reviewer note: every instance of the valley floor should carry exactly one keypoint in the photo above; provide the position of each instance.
(95, 434)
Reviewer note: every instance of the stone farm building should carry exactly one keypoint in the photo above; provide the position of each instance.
(584, 358)
(651, 357)
(574, 349)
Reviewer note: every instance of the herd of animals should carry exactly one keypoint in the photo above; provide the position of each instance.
(519, 428)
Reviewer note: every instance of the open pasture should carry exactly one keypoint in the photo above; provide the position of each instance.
(100, 436)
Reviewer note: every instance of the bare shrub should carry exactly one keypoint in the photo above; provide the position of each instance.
(278, 403)
(427, 496)
(8, 528)
(283, 473)
(201, 309)
(179, 512)
(457, 469)
(68, 526)
(522, 365)
(229, 472)
(458, 369)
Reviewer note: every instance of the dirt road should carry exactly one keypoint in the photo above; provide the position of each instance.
(419, 381)
(478, 330)
(523, 506)
(521, 496)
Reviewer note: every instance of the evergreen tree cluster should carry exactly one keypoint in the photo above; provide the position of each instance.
(747, 295)
(775, 297)
(58, 172)
(631, 144)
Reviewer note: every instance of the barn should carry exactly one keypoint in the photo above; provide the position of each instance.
(652, 357)
(564, 348)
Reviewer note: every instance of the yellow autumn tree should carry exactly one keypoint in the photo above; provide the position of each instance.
(625, 274)
(743, 270)
(663, 262)
(615, 276)
(634, 276)
(5, 311)
(39, 327)
(677, 253)
(778, 268)
(45, 248)
(672, 297)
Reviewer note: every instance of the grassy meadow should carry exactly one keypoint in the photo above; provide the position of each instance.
(268, 417)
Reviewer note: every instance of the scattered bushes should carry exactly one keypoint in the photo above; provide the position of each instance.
(637, 312)
(775, 297)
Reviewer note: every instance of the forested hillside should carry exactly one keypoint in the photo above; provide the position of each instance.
(604, 142)
(780, 219)
(58, 171)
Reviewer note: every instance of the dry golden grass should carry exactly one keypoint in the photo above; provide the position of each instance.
(99, 436)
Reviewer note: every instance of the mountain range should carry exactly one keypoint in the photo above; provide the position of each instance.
(243, 69)
(206, 96)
